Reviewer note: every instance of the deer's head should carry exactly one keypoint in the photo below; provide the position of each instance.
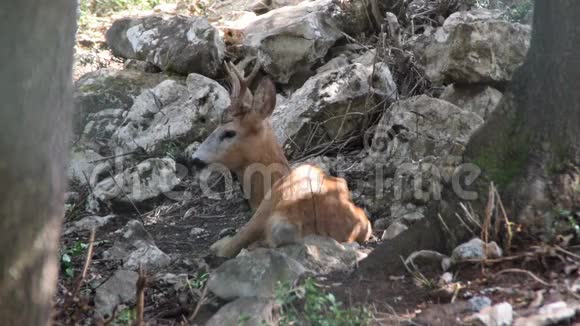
(244, 132)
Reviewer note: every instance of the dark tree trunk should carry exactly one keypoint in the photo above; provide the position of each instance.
(529, 147)
(533, 139)
(37, 40)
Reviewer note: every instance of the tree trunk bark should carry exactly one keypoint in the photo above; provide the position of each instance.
(37, 40)
(529, 147)
(533, 138)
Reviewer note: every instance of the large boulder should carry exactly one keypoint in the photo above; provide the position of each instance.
(255, 274)
(146, 180)
(480, 99)
(170, 115)
(332, 105)
(416, 148)
(470, 50)
(179, 44)
(247, 311)
(290, 40)
(109, 89)
(323, 255)
(422, 126)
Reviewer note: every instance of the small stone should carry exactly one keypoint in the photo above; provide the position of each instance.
(226, 232)
(499, 315)
(393, 230)
(479, 302)
(475, 249)
(550, 314)
(446, 278)
(197, 232)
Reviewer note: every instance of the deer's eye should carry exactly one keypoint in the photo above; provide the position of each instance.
(228, 134)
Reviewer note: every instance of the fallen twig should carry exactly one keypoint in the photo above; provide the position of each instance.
(522, 271)
(141, 285)
(200, 302)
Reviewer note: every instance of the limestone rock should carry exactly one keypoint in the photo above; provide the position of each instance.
(481, 51)
(178, 44)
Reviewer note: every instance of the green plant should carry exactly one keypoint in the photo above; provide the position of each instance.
(125, 317)
(199, 281)
(310, 304)
(66, 257)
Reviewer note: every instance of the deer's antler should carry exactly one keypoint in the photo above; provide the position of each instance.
(241, 96)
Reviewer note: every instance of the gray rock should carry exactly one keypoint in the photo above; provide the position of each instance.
(136, 247)
(255, 274)
(261, 7)
(474, 15)
(119, 289)
(554, 313)
(319, 111)
(170, 113)
(480, 99)
(497, 315)
(394, 230)
(334, 63)
(150, 257)
(88, 223)
(247, 311)
(478, 303)
(322, 255)
(179, 44)
(197, 232)
(109, 89)
(475, 249)
(292, 39)
(486, 51)
(422, 126)
(145, 181)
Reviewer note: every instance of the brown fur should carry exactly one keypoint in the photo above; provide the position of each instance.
(303, 201)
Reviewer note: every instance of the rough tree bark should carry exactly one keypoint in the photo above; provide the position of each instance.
(529, 148)
(37, 40)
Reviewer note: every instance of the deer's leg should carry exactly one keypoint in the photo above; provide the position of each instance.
(251, 232)
(280, 232)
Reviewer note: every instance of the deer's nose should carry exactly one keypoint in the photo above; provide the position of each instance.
(198, 163)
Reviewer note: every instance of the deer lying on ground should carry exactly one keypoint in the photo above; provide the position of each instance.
(303, 201)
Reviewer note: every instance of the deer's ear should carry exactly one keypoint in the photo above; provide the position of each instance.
(264, 100)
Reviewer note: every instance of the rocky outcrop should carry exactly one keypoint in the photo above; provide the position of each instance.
(147, 180)
(332, 105)
(290, 40)
(479, 99)
(422, 126)
(255, 273)
(178, 44)
(468, 50)
(170, 113)
(109, 89)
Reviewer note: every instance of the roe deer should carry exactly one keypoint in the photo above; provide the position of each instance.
(300, 202)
